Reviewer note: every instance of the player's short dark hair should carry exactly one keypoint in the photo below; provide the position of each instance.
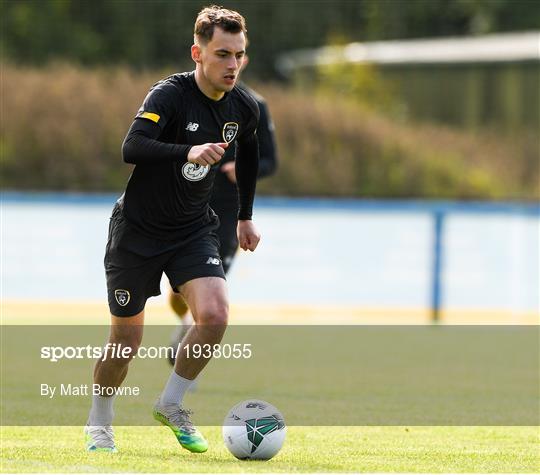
(214, 15)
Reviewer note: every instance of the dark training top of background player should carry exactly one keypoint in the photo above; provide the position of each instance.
(167, 197)
(224, 200)
(224, 195)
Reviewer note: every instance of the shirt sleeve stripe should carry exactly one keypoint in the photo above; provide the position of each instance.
(149, 115)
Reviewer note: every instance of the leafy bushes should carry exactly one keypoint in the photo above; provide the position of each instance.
(63, 126)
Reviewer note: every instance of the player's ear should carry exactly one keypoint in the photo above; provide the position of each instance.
(245, 62)
(196, 53)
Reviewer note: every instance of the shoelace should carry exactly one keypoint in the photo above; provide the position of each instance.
(102, 436)
(180, 417)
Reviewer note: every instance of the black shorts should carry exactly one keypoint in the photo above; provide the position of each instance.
(228, 239)
(134, 265)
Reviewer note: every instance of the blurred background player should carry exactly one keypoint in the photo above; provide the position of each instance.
(224, 202)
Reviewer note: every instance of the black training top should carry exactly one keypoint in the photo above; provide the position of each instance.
(224, 191)
(167, 197)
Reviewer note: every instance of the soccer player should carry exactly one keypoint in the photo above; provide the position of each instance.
(163, 223)
(224, 201)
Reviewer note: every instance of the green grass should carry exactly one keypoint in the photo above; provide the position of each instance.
(306, 449)
(428, 433)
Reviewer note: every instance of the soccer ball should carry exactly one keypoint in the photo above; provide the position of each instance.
(254, 430)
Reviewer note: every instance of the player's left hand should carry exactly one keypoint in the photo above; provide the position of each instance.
(229, 169)
(248, 236)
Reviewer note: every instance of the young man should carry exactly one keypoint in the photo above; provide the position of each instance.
(163, 222)
(224, 202)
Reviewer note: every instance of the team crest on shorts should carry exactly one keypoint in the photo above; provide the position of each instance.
(122, 297)
(194, 171)
(230, 129)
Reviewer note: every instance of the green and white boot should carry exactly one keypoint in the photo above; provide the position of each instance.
(99, 439)
(178, 420)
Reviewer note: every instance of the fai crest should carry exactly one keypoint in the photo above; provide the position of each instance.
(122, 297)
(230, 129)
(194, 171)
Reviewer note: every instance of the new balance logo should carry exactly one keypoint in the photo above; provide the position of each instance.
(213, 260)
(192, 126)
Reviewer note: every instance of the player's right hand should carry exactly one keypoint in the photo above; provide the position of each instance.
(207, 154)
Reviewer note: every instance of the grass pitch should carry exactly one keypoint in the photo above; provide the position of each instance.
(306, 449)
(153, 449)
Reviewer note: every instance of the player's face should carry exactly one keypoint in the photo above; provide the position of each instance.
(220, 61)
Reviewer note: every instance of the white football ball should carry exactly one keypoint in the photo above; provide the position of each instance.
(254, 430)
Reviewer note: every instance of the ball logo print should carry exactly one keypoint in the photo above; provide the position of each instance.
(258, 428)
(230, 129)
(194, 171)
(254, 430)
(122, 297)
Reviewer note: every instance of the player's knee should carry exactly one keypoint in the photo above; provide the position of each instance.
(216, 315)
(133, 346)
(119, 354)
(124, 345)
